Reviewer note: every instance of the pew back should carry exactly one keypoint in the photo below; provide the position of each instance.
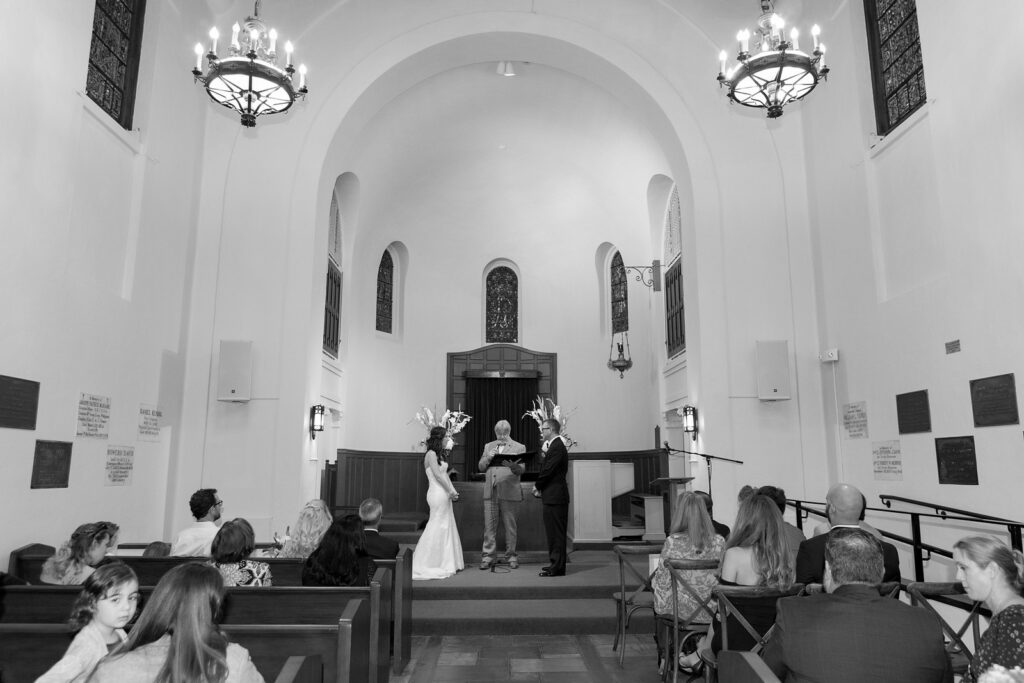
(401, 611)
(337, 653)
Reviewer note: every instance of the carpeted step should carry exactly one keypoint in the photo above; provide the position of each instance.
(530, 616)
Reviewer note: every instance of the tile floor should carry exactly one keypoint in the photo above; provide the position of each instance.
(544, 658)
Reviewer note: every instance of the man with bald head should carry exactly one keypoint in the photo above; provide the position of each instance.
(844, 504)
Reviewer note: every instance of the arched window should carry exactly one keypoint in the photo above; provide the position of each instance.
(332, 298)
(620, 295)
(385, 292)
(334, 232)
(502, 306)
(675, 322)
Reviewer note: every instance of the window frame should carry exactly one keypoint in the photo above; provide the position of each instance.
(126, 115)
(876, 50)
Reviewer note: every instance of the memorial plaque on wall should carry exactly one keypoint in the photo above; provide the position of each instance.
(51, 465)
(19, 402)
(913, 412)
(994, 401)
(958, 463)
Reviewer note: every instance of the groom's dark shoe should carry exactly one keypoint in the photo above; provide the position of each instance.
(547, 572)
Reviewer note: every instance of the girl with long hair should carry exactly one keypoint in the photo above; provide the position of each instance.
(340, 559)
(177, 640)
(105, 606)
(993, 573)
(438, 553)
(77, 558)
(757, 553)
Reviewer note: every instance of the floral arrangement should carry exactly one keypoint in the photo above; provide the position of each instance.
(453, 421)
(998, 674)
(546, 409)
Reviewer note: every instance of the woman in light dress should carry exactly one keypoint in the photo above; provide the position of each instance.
(438, 553)
(76, 560)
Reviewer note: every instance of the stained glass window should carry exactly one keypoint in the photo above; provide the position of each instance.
(502, 306)
(675, 322)
(114, 57)
(897, 67)
(620, 295)
(334, 232)
(673, 228)
(385, 292)
(332, 310)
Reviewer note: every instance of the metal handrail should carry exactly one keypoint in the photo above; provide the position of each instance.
(921, 551)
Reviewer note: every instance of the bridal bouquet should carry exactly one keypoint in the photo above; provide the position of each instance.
(452, 420)
(546, 409)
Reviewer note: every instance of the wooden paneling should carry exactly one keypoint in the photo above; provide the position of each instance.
(647, 466)
(396, 479)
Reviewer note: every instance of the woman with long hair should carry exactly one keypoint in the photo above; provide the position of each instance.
(340, 559)
(177, 640)
(77, 558)
(438, 553)
(993, 573)
(757, 553)
(692, 537)
(307, 532)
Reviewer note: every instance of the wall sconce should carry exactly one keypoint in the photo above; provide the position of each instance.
(650, 275)
(689, 414)
(316, 420)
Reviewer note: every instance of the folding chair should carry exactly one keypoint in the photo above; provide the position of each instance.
(629, 601)
(678, 569)
(951, 594)
(746, 617)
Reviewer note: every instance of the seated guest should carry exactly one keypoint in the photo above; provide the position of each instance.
(340, 559)
(309, 530)
(794, 537)
(720, 529)
(850, 633)
(157, 549)
(844, 505)
(231, 549)
(370, 511)
(993, 573)
(195, 541)
(75, 560)
(100, 613)
(692, 538)
(176, 637)
(824, 528)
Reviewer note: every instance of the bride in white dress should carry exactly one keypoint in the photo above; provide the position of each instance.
(438, 553)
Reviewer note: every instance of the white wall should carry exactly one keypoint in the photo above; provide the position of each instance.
(94, 267)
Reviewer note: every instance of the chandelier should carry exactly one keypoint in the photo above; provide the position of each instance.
(248, 79)
(778, 72)
(623, 362)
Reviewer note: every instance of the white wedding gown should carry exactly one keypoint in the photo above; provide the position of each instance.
(438, 553)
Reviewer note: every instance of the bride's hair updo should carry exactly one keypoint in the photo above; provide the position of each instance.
(435, 442)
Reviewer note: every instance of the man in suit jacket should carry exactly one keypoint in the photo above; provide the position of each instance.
(851, 634)
(553, 492)
(502, 493)
(844, 504)
(381, 547)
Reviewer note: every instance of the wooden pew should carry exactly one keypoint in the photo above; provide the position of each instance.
(332, 653)
(401, 616)
(27, 562)
(274, 605)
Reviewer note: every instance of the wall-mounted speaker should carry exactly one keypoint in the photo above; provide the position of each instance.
(234, 371)
(773, 370)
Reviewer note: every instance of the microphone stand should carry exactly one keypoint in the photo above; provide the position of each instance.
(707, 459)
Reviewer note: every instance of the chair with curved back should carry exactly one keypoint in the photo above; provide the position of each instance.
(745, 621)
(628, 600)
(923, 593)
(677, 623)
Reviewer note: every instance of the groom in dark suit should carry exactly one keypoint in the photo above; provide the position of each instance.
(553, 492)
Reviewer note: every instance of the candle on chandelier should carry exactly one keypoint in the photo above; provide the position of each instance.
(254, 38)
(234, 36)
(744, 38)
(793, 36)
(722, 56)
(302, 76)
(288, 49)
(199, 56)
(815, 32)
(273, 41)
(821, 60)
(214, 35)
